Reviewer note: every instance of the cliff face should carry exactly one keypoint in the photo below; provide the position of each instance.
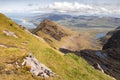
(105, 39)
(113, 42)
(112, 47)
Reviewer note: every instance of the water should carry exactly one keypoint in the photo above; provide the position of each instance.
(19, 18)
(99, 35)
(25, 23)
(102, 55)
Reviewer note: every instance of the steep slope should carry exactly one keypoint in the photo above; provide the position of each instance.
(114, 41)
(49, 27)
(108, 58)
(12, 49)
(60, 37)
(104, 39)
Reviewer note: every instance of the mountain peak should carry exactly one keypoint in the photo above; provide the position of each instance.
(47, 20)
(52, 29)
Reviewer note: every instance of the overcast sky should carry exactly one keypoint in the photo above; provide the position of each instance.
(63, 6)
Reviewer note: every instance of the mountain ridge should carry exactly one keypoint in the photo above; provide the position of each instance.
(59, 36)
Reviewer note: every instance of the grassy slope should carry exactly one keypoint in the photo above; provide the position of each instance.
(67, 67)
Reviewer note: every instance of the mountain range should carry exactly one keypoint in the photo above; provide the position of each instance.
(79, 21)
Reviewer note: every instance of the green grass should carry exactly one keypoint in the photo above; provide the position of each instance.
(66, 67)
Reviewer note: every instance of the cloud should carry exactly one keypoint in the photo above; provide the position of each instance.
(75, 7)
(30, 4)
(66, 7)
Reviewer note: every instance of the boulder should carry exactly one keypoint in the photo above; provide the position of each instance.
(98, 67)
(36, 67)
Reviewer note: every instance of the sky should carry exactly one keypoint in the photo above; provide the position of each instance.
(62, 6)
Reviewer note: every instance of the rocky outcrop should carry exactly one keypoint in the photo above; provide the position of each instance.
(113, 42)
(22, 27)
(104, 39)
(7, 46)
(37, 68)
(108, 60)
(98, 67)
(10, 33)
(4, 46)
(52, 29)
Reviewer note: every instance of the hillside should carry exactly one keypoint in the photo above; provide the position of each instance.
(105, 38)
(114, 41)
(108, 58)
(19, 42)
(60, 37)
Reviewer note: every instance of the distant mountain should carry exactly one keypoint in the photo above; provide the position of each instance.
(78, 21)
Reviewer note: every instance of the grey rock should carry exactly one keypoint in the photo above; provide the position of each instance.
(36, 67)
(98, 67)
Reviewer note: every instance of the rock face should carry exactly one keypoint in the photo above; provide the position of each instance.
(36, 67)
(97, 66)
(113, 42)
(104, 39)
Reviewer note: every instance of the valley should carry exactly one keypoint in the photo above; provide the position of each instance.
(70, 52)
(94, 30)
(59, 39)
